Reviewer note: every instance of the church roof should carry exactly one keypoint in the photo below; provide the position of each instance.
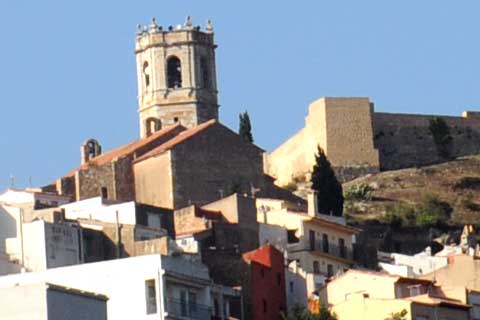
(131, 147)
(182, 137)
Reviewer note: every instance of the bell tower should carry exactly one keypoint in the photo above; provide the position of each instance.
(176, 76)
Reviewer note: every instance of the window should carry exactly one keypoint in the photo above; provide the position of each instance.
(192, 302)
(329, 270)
(343, 249)
(414, 290)
(146, 74)
(175, 119)
(279, 279)
(316, 267)
(152, 125)
(205, 73)
(174, 73)
(264, 304)
(262, 273)
(151, 296)
(104, 192)
(311, 238)
(291, 237)
(291, 287)
(153, 220)
(183, 303)
(325, 243)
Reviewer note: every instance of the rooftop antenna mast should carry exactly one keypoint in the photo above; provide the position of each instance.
(12, 181)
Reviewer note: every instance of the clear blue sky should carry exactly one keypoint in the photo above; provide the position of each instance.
(67, 68)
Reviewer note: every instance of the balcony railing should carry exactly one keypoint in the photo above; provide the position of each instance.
(328, 248)
(178, 309)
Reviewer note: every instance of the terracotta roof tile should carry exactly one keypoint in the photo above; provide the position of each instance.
(262, 255)
(128, 148)
(183, 136)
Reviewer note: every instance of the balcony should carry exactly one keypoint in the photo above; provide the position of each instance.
(322, 248)
(178, 309)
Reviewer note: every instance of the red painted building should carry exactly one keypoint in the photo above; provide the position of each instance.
(267, 283)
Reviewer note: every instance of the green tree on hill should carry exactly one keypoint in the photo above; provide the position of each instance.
(329, 189)
(245, 127)
(441, 136)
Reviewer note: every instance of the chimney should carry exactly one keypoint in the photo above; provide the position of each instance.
(312, 204)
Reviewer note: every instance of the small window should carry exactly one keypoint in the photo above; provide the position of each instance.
(175, 119)
(325, 245)
(316, 267)
(262, 273)
(205, 73)
(329, 270)
(264, 304)
(291, 287)
(104, 192)
(183, 303)
(152, 125)
(174, 73)
(279, 279)
(151, 296)
(192, 302)
(146, 74)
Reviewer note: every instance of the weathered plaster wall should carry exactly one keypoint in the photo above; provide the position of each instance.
(154, 181)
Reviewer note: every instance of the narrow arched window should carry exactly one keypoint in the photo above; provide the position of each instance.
(152, 125)
(174, 72)
(146, 74)
(205, 73)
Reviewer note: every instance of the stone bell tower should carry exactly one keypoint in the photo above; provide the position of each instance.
(176, 76)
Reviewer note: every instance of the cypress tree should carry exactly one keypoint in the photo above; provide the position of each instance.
(245, 127)
(329, 189)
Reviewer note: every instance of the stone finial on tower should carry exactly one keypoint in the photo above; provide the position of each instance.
(188, 23)
(153, 27)
(139, 29)
(209, 26)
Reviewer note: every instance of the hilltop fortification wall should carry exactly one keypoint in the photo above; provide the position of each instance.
(404, 140)
(359, 141)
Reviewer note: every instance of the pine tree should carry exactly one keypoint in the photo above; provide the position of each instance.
(245, 128)
(329, 190)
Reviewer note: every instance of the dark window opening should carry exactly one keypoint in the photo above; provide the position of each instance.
(104, 192)
(279, 279)
(151, 296)
(325, 243)
(152, 125)
(205, 73)
(343, 249)
(146, 74)
(316, 267)
(329, 270)
(311, 238)
(264, 304)
(262, 273)
(175, 119)
(291, 237)
(174, 73)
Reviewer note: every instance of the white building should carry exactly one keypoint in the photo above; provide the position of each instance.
(145, 287)
(45, 301)
(411, 266)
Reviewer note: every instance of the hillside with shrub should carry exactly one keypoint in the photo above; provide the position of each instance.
(442, 195)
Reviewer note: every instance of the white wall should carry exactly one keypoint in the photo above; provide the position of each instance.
(122, 281)
(23, 302)
(9, 225)
(98, 209)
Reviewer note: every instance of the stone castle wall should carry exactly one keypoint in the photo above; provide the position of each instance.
(359, 141)
(404, 140)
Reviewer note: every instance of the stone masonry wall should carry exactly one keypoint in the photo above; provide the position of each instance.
(210, 165)
(404, 140)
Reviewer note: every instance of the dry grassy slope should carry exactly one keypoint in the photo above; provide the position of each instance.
(410, 185)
